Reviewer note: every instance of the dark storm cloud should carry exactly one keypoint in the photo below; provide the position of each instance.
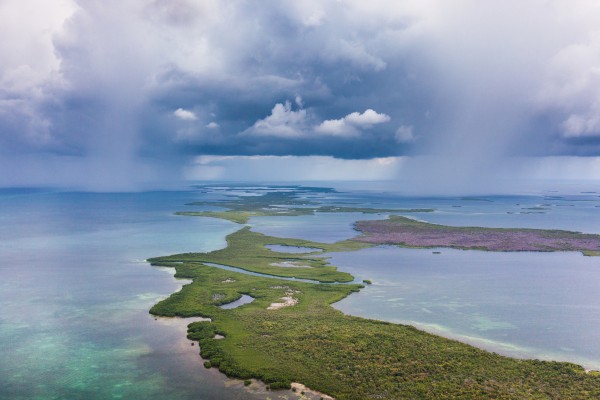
(136, 89)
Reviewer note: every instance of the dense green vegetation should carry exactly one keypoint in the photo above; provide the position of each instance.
(246, 250)
(347, 357)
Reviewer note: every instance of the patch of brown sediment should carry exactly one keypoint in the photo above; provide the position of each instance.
(309, 393)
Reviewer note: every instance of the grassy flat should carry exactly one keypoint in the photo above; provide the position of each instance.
(308, 341)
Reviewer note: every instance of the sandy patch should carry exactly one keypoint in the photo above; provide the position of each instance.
(290, 264)
(309, 392)
(288, 300)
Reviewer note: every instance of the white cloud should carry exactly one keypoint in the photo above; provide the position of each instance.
(212, 125)
(185, 115)
(357, 54)
(573, 85)
(351, 124)
(309, 13)
(586, 124)
(571, 82)
(405, 134)
(27, 30)
(336, 127)
(283, 122)
(367, 118)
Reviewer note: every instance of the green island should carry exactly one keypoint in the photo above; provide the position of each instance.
(289, 332)
(246, 250)
(241, 209)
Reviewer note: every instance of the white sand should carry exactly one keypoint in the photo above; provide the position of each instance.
(290, 264)
(302, 388)
(287, 302)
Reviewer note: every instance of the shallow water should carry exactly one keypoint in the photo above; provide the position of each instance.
(75, 294)
(245, 299)
(534, 305)
(321, 227)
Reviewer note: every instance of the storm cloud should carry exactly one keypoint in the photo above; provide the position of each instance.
(116, 93)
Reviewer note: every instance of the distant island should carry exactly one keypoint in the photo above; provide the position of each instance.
(277, 204)
(408, 232)
(286, 331)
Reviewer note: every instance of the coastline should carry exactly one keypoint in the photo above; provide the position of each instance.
(246, 320)
(247, 250)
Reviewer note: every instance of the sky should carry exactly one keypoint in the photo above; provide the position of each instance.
(438, 95)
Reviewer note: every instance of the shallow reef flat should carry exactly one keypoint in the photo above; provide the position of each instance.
(411, 233)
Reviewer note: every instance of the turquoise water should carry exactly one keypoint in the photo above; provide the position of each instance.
(75, 294)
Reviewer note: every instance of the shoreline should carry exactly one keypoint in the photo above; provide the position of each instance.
(256, 387)
(252, 256)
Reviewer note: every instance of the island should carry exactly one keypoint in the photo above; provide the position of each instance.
(295, 202)
(286, 331)
(408, 232)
